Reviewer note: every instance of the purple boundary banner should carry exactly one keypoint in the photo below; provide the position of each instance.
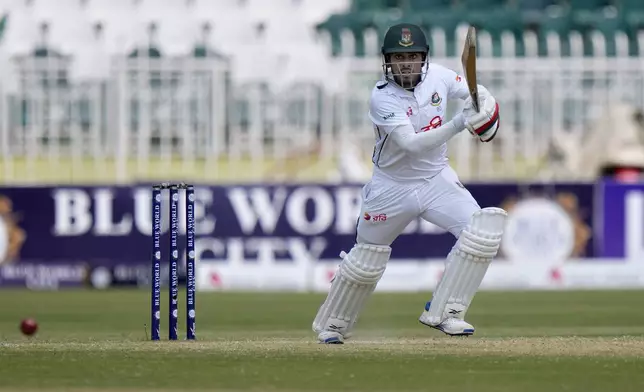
(110, 226)
(43, 276)
(620, 219)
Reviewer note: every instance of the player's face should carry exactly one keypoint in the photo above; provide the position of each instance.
(407, 68)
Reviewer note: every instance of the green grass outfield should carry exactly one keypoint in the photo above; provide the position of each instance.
(526, 341)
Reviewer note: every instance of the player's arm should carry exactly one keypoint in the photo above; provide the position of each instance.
(390, 117)
(406, 137)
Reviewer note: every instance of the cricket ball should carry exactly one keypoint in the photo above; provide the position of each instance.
(28, 327)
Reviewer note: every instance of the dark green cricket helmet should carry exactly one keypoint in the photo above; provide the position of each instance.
(404, 37)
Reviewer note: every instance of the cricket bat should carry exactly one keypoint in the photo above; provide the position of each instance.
(468, 60)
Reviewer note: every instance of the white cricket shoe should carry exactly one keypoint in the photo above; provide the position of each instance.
(330, 337)
(452, 326)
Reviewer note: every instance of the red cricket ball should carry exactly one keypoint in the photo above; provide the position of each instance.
(28, 326)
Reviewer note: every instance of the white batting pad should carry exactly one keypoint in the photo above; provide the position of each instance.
(466, 266)
(359, 273)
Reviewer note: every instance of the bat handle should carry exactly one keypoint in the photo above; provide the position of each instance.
(475, 101)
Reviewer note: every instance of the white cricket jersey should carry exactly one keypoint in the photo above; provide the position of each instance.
(424, 108)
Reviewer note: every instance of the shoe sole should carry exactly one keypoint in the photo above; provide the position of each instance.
(466, 332)
(333, 340)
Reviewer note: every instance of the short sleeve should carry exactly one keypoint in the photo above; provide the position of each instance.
(456, 85)
(386, 111)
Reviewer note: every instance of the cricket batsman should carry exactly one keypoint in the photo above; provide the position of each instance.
(411, 178)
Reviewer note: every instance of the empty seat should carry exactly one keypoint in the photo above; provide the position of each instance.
(496, 22)
(357, 23)
(588, 4)
(559, 24)
(100, 9)
(428, 5)
(7, 5)
(22, 32)
(635, 20)
(364, 5)
(261, 9)
(533, 5)
(284, 31)
(334, 26)
(631, 5)
(611, 27)
(446, 20)
(315, 11)
(173, 35)
(382, 20)
(118, 21)
(480, 4)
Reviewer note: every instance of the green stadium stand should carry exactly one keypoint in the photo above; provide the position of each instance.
(334, 25)
(496, 22)
(610, 24)
(631, 5)
(365, 5)
(446, 19)
(480, 4)
(561, 24)
(382, 20)
(532, 5)
(497, 17)
(357, 23)
(588, 4)
(151, 52)
(3, 25)
(635, 21)
(609, 27)
(427, 5)
(634, 11)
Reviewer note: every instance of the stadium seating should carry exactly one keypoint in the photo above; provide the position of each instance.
(143, 80)
(347, 26)
(587, 4)
(601, 24)
(479, 4)
(632, 5)
(532, 5)
(420, 5)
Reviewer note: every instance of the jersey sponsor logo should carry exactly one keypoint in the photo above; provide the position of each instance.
(375, 218)
(458, 78)
(434, 123)
(436, 99)
(405, 38)
(388, 116)
(410, 112)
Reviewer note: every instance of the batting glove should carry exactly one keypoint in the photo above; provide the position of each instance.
(485, 123)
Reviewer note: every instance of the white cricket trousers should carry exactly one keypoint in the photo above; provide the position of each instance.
(388, 206)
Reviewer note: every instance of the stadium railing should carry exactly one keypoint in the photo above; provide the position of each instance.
(193, 119)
